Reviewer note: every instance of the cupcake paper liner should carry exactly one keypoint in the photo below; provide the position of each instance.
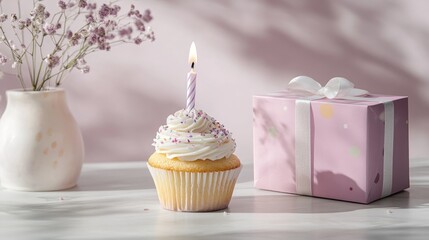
(193, 191)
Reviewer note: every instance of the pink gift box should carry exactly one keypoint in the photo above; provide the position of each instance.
(348, 140)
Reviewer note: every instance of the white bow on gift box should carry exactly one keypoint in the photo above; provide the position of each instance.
(336, 88)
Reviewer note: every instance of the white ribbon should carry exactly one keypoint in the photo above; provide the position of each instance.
(336, 88)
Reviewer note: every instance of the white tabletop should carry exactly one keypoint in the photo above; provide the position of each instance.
(118, 201)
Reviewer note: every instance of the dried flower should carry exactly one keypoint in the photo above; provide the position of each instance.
(147, 17)
(90, 18)
(23, 23)
(52, 60)
(69, 34)
(92, 39)
(49, 28)
(14, 17)
(126, 32)
(39, 10)
(74, 40)
(82, 3)
(138, 40)
(3, 59)
(104, 27)
(115, 10)
(104, 11)
(140, 25)
(62, 5)
(3, 17)
(131, 12)
(91, 6)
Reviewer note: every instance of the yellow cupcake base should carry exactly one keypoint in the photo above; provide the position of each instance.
(159, 160)
(194, 191)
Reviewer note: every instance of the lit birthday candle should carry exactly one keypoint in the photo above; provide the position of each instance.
(192, 79)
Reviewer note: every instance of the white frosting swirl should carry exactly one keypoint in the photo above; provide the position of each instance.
(193, 135)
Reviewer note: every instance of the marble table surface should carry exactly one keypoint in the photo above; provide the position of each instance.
(118, 201)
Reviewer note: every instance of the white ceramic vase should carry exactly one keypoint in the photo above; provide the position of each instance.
(41, 146)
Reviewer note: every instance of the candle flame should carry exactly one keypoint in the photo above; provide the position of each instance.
(193, 54)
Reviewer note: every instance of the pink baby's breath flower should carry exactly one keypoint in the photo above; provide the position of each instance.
(104, 11)
(69, 34)
(74, 40)
(100, 31)
(62, 5)
(90, 18)
(115, 10)
(111, 25)
(82, 3)
(23, 23)
(3, 17)
(140, 25)
(110, 36)
(131, 12)
(125, 32)
(103, 45)
(92, 39)
(91, 6)
(3, 59)
(13, 17)
(40, 9)
(49, 28)
(138, 40)
(147, 17)
(52, 60)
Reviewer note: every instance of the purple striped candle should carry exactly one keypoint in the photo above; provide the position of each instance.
(192, 84)
(192, 79)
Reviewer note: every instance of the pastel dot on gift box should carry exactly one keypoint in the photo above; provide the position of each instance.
(354, 152)
(381, 116)
(326, 110)
(272, 131)
(345, 126)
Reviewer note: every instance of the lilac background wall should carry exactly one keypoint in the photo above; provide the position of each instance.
(246, 48)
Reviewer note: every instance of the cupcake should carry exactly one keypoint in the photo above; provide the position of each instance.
(193, 167)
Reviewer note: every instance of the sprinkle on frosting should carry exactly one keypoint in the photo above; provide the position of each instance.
(194, 135)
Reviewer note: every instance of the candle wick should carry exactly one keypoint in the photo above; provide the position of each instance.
(192, 65)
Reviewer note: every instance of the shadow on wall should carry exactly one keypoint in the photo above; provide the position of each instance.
(321, 39)
(326, 39)
(131, 121)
